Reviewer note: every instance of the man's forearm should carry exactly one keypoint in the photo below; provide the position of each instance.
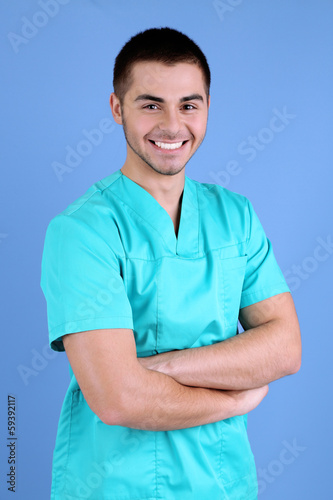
(252, 359)
(155, 401)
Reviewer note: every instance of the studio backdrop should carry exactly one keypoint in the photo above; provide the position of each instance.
(269, 137)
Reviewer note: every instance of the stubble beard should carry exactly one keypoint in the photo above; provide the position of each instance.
(146, 159)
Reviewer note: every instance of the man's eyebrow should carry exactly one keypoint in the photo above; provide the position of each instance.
(148, 97)
(192, 97)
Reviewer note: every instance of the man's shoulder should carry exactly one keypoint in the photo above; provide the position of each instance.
(90, 213)
(93, 199)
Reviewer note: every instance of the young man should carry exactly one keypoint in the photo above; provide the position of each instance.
(145, 277)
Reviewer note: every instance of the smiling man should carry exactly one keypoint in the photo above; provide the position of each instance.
(162, 131)
(146, 276)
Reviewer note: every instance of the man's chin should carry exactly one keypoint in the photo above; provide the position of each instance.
(167, 170)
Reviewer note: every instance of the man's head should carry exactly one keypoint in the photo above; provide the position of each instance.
(161, 97)
(164, 45)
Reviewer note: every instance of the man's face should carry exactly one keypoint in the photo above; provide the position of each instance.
(164, 115)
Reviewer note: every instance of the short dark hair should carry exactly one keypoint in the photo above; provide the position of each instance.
(164, 45)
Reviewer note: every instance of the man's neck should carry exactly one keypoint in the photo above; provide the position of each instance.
(167, 190)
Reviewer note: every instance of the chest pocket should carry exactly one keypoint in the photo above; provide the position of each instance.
(231, 272)
(180, 303)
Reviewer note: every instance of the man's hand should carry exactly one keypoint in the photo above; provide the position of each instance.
(247, 400)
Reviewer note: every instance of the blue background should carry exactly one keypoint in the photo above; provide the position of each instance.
(266, 57)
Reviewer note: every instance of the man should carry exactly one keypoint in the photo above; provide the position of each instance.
(146, 276)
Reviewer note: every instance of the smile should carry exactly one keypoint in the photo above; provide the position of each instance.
(168, 145)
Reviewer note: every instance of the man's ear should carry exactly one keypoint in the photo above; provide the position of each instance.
(116, 108)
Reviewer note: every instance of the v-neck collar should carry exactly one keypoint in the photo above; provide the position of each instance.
(186, 244)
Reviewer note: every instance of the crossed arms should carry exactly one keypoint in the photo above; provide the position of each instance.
(190, 387)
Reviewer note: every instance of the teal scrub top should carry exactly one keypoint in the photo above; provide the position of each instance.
(112, 259)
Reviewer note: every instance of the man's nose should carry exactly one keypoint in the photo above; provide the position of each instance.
(171, 121)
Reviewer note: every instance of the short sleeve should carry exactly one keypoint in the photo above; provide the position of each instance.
(263, 277)
(81, 281)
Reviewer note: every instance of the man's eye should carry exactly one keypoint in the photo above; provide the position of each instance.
(149, 106)
(189, 107)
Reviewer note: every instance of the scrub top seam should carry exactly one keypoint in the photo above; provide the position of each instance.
(240, 479)
(180, 257)
(156, 475)
(158, 266)
(70, 497)
(144, 220)
(199, 218)
(233, 245)
(248, 238)
(221, 451)
(113, 181)
(88, 318)
(97, 190)
(269, 289)
(58, 267)
(82, 204)
(84, 224)
(69, 442)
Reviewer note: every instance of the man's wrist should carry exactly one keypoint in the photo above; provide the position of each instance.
(160, 362)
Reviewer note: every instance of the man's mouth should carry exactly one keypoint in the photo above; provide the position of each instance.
(168, 145)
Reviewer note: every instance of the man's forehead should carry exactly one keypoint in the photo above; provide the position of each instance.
(151, 76)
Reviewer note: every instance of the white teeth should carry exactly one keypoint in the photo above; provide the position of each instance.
(165, 145)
